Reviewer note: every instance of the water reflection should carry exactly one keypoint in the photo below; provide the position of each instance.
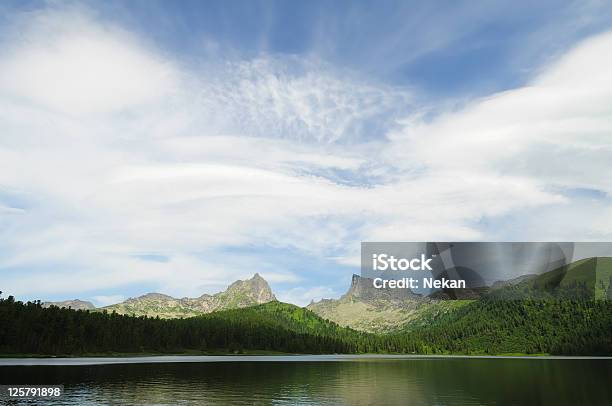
(358, 382)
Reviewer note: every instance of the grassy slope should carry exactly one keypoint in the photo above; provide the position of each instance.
(584, 279)
(603, 282)
(364, 316)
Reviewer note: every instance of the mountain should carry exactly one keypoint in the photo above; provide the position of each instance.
(75, 304)
(239, 294)
(588, 278)
(551, 313)
(366, 308)
(563, 312)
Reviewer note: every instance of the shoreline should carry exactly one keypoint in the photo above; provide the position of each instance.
(148, 359)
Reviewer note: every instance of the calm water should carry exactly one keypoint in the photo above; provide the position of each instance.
(334, 380)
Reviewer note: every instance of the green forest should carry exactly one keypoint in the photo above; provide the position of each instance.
(526, 326)
(486, 326)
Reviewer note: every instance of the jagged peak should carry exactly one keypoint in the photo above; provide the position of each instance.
(356, 282)
(362, 288)
(256, 286)
(257, 278)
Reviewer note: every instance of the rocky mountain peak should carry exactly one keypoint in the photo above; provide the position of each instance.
(255, 289)
(364, 307)
(363, 289)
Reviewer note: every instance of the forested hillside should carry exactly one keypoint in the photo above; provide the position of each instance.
(30, 328)
(486, 326)
(492, 326)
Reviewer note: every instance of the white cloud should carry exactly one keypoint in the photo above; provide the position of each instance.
(113, 149)
(63, 62)
(555, 131)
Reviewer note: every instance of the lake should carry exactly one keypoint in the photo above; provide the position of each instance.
(320, 380)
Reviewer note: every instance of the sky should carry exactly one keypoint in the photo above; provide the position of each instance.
(174, 147)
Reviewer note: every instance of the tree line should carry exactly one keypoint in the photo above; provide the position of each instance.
(570, 327)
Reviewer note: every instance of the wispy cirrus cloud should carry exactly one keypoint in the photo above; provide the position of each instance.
(297, 98)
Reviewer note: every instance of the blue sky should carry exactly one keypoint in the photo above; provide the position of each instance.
(178, 146)
(446, 48)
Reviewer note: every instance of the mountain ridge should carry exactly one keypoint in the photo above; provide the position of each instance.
(75, 304)
(368, 309)
(550, 319)
(239, 294)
